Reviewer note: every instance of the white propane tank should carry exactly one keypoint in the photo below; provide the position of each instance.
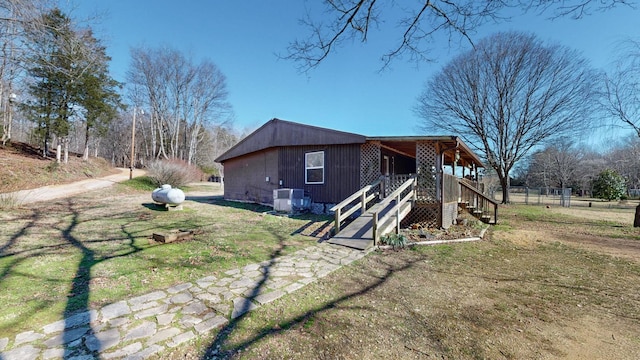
(166, 195)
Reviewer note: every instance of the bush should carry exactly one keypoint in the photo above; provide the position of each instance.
(174, 172)
(609, 185)
(9, 201)
(395, 240)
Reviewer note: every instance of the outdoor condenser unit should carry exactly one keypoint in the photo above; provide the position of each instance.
(290, 200)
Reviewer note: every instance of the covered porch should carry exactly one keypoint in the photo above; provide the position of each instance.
(437, 162)
(407, 180)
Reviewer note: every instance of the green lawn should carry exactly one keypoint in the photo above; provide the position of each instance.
(75, 254)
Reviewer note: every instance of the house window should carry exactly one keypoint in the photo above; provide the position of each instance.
(314, 167)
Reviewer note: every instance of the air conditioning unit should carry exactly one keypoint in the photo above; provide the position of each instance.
(290, 200)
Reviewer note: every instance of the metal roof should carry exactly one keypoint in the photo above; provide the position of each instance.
(278, 132)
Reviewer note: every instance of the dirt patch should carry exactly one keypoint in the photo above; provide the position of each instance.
(25, 168)
(622, 216)
(596, 338)
(604, 231)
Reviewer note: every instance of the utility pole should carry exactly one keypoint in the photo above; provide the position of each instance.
(133, 143)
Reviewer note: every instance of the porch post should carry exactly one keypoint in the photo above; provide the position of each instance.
(398, 214)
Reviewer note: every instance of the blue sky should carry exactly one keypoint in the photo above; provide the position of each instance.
(347, 92)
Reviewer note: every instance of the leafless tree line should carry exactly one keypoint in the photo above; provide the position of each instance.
(565, 164)
(181, 105)
(180, 98)
(18, 20)
(41, 45)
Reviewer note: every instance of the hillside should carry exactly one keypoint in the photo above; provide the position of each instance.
(23, 167)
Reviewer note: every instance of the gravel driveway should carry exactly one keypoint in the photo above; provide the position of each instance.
(60, 191)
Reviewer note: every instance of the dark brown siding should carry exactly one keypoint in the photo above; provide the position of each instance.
(245, 177)
(341, 177)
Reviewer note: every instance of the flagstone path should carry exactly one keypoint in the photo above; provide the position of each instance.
(139, 327)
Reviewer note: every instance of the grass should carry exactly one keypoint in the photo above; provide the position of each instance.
(548, 282)
(70, 255)
(142, 183)
(529, 291)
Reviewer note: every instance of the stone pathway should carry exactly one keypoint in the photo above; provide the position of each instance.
(141, 326)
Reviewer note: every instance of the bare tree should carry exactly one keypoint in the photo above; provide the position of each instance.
(557, 164)
(625, 160)
(622, 88)
(418, 25)
(206, 102)
(17, 19)
(508, 95)
(183, 99)
(216, 141)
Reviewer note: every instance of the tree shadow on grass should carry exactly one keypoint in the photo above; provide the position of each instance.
(78, 296)
(4, 249)
(220, 347)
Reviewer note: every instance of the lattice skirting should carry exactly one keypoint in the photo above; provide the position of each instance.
(425, 215)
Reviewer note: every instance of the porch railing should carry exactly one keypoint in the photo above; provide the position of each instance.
(392, 182)
(387, 221)
(482, 206)
(363, 197)
(450, 188)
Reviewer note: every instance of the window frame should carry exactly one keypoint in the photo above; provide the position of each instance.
(307, 168)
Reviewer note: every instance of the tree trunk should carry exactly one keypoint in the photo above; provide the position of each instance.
(504, 184)
(636, 221)
(85, 153)
(66, 150)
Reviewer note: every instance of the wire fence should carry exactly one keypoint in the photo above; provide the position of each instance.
(556, 197)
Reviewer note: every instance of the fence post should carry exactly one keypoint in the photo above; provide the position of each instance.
(337, 215)
(363, 200)
(374, 228)
(398, 214)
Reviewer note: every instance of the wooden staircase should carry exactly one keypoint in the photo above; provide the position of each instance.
(477, 204)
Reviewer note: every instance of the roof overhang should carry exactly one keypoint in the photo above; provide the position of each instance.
(448, 145)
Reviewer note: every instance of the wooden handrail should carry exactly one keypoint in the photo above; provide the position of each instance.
(483, 200)
(362, 204)
(397, 191)
(354, 196)
(395, 195)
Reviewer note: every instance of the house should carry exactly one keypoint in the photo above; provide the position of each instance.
(331, 165)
